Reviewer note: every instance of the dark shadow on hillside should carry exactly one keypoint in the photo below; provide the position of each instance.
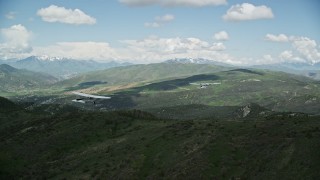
(246, 71)
(6, 105)
(121, 101)
(91, 83)
(85, 85)
(124, 99)
(200, 111)
(194, 111)
(173, 84)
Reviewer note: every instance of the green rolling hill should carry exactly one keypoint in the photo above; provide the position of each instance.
(14, 80)
(141, 74)
(239, 87)
(164, 87)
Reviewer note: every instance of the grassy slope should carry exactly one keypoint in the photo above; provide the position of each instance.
(14, 80)
(118, 145)
(170, 87)
(274, 90)
(141, 73)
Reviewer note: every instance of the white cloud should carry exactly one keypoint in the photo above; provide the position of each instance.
(152, 24)
(265, 59)
(286, 55)
(247, 11)
(174, 3)
(167, 45)
(218, 47)
(303, 49)
(154, 49)
(221, 36)
(307, 48)
(16, 35)
(165, 18)
(79, 50)
(16, 41)
(60, 14)
(277, 38)
(160, 21)
(268, 58)
(11, 15)
(147, 50)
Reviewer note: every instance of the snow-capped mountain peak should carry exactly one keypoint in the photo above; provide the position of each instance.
(196, 61)
(189, 61)
(48, 58)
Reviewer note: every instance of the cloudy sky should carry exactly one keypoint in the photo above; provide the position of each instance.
(149, 31)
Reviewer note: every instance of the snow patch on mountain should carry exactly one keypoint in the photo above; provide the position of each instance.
(49, 58)
(196, 61)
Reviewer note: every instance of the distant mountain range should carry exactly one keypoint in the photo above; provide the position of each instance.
(13, 80)
(142, 73)
(62, 68)
(305, 69)
(196, 61)
(300, 68)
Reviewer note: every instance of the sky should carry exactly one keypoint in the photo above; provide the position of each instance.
(239, 32)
